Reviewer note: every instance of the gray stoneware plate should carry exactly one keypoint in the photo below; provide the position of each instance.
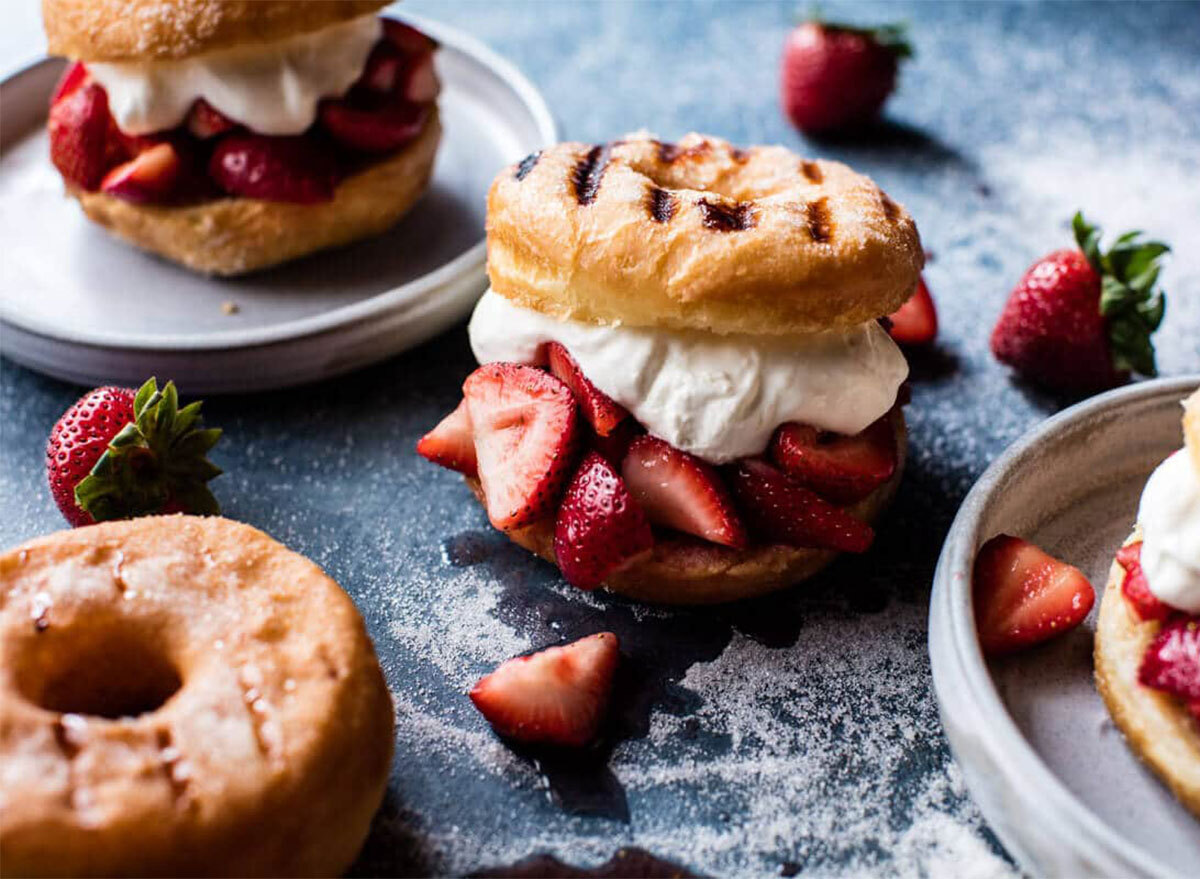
(82, 306)
(1039, 752)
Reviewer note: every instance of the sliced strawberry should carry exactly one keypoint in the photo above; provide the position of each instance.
(680, 491)
(407, 38)
(1136, 588)
(1024, 596)
(600, 527)
(601, 411)
(451, 444)
(615, 446)
(780, 510)
(916, 321)
(379, 128)
(843, 469)
(205, 121)
(383, 70)
(421, 83)
(150, 178)
(526, 431)
(81, 145)
(556, 696)
(1172, 661)
(290, 169)
(71, 79)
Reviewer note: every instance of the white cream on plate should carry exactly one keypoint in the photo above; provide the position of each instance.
(271, 88)
(1169, 514)
(717, 396)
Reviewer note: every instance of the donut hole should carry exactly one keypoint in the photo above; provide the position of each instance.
(111, 670)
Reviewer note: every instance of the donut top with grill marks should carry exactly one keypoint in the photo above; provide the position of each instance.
(698, 234)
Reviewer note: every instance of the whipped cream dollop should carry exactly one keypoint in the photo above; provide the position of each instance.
(719, 397)
(1169, 514)
(271, 88)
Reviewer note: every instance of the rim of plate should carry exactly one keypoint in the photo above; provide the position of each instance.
(411, 293)
(994, 728)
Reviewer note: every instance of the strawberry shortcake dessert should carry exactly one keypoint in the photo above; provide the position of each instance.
(686, 394)
(231, 136)
(1148, 637)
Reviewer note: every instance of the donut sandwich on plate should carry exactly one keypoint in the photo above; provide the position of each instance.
(685, 392)
(1147, 651)
(233, 136)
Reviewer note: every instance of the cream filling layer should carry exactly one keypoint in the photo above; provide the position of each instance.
(1169, 514)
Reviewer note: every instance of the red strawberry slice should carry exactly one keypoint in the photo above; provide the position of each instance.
(451, 444)
(601, 411)
(205, 121)
(600, 527)
(526, 432)
(780, 510)
(556, 696)
(421, 82)
(1024, 596)
(1136, 588)
(384, 68)
(407, 38)
(81, 145)
(147, 179)
(615, 446)
(376, 129)
(681, 491)
(916, 321)
(289, 169)
(1172, 661)
(843, 469)
(71, 79)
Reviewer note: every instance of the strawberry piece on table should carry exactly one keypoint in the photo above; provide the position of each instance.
(916, 321)
(1136, 588)
(205, 121)
(377, 128)
(1023, 596)
(556, 696)
(117, 454)
(600, 527)
(681, 491)
(837, 77)
(150, 177)
(1082, 320)
(81, 142)
(600, 410)
(842, 469)
(451, 444)
(526, 432)
(289, 169)
(72, 78)
(407, 38)
(780, 510)
(1172, 661)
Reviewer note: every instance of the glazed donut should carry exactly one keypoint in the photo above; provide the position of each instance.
(683, 570)
(183, 696)
(231, 236)
(698, 235)
(130, 30)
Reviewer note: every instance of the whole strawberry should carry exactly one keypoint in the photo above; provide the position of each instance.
(118, 453)
(836, 76)
(1081, 320)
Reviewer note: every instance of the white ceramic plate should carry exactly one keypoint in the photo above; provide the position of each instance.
(1039, 752)
(82, 306)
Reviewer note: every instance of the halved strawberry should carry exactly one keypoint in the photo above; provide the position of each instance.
(379, 128)
(71, 79)
(1136, 588)
(615, 446)
(843, 469)
(81, 146)
(205, 121)
(451, 444)
(681, 491)
(407, 38)
(526, 431)
(916, 321)
(1023, 596)
(556, 696)
(383, 70)
(780, 510)
(601, 411)
(1172, 661)
(600, 527)
(150, 177)
(420, 83)
(291, 169)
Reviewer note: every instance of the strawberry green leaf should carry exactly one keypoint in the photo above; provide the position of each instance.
(892, 37)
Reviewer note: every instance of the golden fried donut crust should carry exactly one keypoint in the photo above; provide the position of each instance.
(1156, 725)
(268, 760)
(698, 235)
(232, 236)
(146, 30)
(683, 570)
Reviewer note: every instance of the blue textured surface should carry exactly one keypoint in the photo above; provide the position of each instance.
(799, 732)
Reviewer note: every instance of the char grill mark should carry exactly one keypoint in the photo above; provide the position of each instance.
(669, 153)
(526, 165)
(891, 210)
(736, 217)
(739, 155)
(661, 205)
(811, 171)
(588, 173)
(820, 223)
